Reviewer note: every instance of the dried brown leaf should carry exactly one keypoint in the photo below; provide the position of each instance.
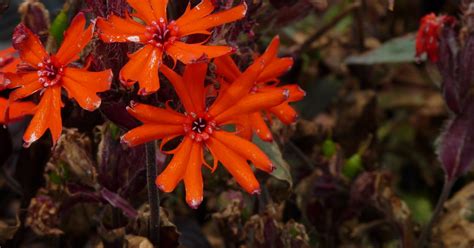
(8, 228)
(456, 226)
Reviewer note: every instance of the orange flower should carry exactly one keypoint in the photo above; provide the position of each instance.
(8, 63)
(227, 71)
(160, 36)
(201, 127)
(16, 110)
(50, 72)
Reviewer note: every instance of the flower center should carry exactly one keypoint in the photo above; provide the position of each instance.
(162, 34)
(199, 125)
(199, 128)
(49, 73)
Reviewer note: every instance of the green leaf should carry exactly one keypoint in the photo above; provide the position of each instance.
(58, 26)
(353, 166)
(329, 148)
(397, 50)
(282, 171)
(420, 206)
(55, 178)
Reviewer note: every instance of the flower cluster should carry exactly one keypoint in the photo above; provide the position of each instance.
(427, 38)
(160, 36)
(243, 100)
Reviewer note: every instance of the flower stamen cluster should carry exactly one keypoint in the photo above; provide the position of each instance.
(160, 34)
(199, 127)
(49, 73)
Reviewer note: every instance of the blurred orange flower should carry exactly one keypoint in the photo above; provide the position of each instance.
(201, 127)
(16, 110)
(8, 63)
(48, 73)
(161, 36)
(427, 38)
(227, 72)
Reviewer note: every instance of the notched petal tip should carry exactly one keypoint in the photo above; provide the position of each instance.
(272, 168)
(26, 145)
(301, 90)
(124, 141)
(256, 192)
(194, 203)
(160, 186)
(244, 12)
(144, 92)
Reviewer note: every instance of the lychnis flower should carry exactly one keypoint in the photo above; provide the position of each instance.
(201, 127)
(160, 36)
(48, 73)
(227, 72)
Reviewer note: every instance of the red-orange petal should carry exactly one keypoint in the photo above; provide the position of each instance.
(192, 53)
(193, 177)
(260, 127)
(47, 116)
(116, 29)
(194, 76)
(97, 81)
(151, 114)
(204, 8)
(85, 92)
(275, 69)
(253, 103)
(143, 10)
(150, 132)
(159, 9)
(28, 45)
(180, 87)
(16, 110)
(235, 164)
(143, 67)
(243, 127)
(15, 80)
(245, 149)
(202, 24)
(285, 113)
(10, 67)
(176, 169)
(76, 37)
(27, 89)
(226, 67)
(296, 93)
(242, 85)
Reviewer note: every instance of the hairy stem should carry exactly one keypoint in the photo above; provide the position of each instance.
(425, 234)
(153, 194)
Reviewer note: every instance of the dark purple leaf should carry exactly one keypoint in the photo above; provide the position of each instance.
(456, 145)
(466, 73)
(448, 67)
(80, 197)
(117, 113)
(118, 202)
